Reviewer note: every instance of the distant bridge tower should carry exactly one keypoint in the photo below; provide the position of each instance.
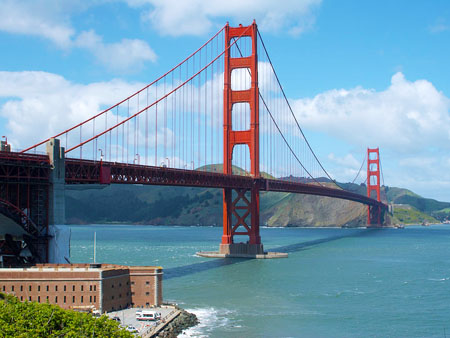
(373, 186)
(241, 205)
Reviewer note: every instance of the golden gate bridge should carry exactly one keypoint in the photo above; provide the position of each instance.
(218, 119)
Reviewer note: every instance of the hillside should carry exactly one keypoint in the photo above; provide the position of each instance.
(157, 205)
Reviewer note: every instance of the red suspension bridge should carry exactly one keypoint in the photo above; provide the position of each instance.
(218, 119)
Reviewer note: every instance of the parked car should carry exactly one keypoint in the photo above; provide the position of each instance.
(131, 328)
(117, 319)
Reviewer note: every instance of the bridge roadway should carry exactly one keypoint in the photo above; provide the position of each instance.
(94, 172)
(98, 172)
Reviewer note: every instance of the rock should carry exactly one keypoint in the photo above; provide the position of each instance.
(184, 321)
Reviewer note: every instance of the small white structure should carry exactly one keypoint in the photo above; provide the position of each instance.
(147, 315)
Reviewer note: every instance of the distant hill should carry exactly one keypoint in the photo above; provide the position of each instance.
(158, 205)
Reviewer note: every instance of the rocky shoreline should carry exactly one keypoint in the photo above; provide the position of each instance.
(182, 322)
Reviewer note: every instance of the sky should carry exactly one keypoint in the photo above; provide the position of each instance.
(358, 74)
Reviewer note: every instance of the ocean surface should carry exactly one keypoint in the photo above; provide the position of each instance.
(335, 283)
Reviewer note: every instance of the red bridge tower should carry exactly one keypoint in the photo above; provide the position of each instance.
(373, 185)
(240, 205)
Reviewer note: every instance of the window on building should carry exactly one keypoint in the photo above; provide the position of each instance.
(73, 287)
(90, 299)
(147, 283)
(39, 288)
(120, 295)
(82, 299)
(29, 288)
(64, 299)
(4, 287)
(56, 299)
(132, 293)
(120, 284)
(147, 304)
(132, 304)
(73, 299)
(12, 287)
(90, 287)
(82, 288)
(21, 288)
(132, 283)
(47, 287)
(56, 287)
(112, 297)
(112, 286)
(65, 288)
(21, 298)
(29, 298)
(95, 287)
(47, 299)
(39, 299)
(95, 299)
(147, 293)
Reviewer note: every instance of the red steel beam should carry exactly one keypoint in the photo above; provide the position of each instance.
(88, 172)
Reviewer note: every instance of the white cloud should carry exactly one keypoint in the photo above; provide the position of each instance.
(40, 104)
(347, 160)
(46, 19)
(50, 19)
(407, 116)
(196, 17)
(121, 55)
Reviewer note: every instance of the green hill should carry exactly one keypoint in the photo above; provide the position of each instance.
(138, 204)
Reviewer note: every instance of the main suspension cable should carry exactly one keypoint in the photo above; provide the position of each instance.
(293, 115)
(364, 161)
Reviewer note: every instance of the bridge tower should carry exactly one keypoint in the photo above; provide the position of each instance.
(373, 186)
(241, 205)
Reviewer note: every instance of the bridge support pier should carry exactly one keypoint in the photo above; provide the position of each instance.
(236, 211)
(57, 205)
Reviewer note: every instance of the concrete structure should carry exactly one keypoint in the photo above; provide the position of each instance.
(242, 254)
(106, 287)
(57, 205)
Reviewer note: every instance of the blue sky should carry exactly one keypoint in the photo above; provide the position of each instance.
(358, 73)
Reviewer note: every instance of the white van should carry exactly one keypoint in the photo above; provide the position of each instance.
(146, 315)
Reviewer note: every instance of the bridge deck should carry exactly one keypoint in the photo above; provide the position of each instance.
(89, 172)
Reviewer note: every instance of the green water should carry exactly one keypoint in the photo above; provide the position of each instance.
(335, 283)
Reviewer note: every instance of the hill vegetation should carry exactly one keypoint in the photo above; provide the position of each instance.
(30, 319)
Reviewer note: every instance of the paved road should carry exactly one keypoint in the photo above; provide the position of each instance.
(128, 317)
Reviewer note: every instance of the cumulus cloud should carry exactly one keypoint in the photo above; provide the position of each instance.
(407, 116)
(47, 19)
(347, 160)
(196, 17)
(50, 19)
(121, 55)
(40, 104)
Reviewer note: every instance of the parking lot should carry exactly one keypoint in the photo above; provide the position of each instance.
(128, 317)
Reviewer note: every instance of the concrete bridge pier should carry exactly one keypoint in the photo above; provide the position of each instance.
(57, 205)
(58, 235)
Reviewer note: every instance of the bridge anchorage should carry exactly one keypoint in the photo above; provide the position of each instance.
(197, 113)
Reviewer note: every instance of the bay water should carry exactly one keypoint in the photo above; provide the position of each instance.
(335, 283)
